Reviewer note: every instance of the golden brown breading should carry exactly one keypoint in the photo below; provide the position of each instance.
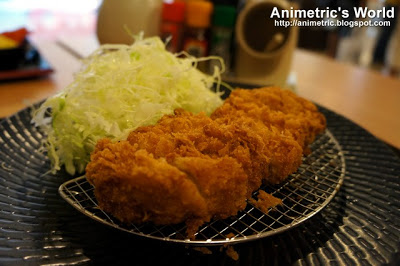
(278, 155)
(273, 106)
(222, 182)
(263, 152)
(135, 187)
(185, 134)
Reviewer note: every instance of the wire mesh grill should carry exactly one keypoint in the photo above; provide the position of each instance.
(303, 194)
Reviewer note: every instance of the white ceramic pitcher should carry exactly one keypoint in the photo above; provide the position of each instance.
(265, 52)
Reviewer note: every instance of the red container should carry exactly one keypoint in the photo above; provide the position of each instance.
(173, 17)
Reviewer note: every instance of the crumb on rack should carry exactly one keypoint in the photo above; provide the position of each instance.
(230, 235)
(265, 201)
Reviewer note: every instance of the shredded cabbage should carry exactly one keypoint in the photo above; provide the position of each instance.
(120, 88)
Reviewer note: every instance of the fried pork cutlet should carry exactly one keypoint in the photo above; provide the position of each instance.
(136, 187)
(185, 134)
(279, 155)
(263, 152)
(283, 109)
(192, 168)
(125, 177)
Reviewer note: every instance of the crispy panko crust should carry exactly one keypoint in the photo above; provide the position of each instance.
(185, 134)
(289, 113)
(192, 168)
(136, 187)
(264, 152)
(125, 177)
(278, 155)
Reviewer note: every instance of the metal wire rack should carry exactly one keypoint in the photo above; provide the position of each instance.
(303, 194)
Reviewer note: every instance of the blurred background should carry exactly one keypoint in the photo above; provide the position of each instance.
(369, 47)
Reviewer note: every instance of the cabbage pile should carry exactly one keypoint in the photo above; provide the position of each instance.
(120, 88)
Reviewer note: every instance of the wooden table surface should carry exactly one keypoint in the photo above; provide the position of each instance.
(364, 96)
